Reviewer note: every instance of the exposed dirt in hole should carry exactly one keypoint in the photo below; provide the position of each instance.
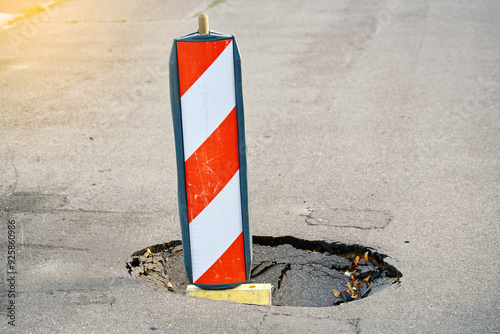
(302, 272)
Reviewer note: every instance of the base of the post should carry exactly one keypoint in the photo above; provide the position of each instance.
(258, 294)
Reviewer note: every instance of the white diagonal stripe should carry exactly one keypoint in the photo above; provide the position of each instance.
(213, 231)
(208, 101)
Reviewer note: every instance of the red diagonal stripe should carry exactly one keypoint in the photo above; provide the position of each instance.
(212, 166)
(229, 268)
(194, 58)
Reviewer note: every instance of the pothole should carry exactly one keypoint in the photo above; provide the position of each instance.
(302, 272)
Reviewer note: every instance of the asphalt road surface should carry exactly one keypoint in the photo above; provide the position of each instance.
(368, 122)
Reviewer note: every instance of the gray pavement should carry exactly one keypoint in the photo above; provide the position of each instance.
(380, 117)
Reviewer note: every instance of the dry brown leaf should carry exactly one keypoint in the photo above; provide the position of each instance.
(356, 261)
(367, 279)
(148, 253)
(366, 257)
(336, 293)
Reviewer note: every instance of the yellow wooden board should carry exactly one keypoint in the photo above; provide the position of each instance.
(259, 294)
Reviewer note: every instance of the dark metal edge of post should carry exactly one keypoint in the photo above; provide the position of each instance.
(175, 101)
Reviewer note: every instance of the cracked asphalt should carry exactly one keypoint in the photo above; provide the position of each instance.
(378, 119)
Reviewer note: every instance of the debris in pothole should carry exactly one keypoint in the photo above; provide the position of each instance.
(164, 269)
(148, 252)
(299, 277)
(303, 274)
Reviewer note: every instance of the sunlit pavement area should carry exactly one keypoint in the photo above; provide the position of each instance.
(378, 119)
